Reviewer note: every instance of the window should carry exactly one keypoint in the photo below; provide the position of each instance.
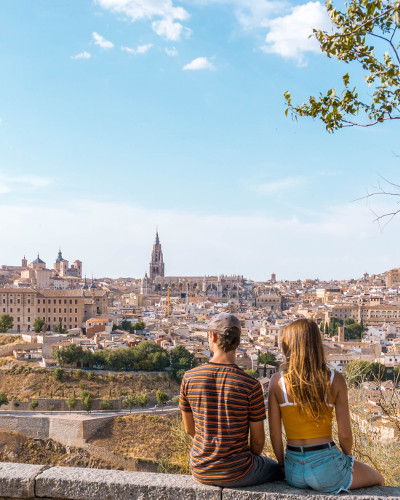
(37, 301)
(18, 301)
(29, 319)
(54, 320)
(76, 301)
(70, 301)
(29, 301)
(11, 301)
(29, 309)
(55, 302)
(59, 301)
(65, 311)
(18, 310)
(76, 310)
(59, 310)
(65, 301)
(55, 310)
(18, 319)
(49, 310)
(76, 320)
(11, 309)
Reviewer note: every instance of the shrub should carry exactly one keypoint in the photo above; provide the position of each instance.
(34, 404)
(79, 374)
(106, 404)
(58, 374)
(90, 376)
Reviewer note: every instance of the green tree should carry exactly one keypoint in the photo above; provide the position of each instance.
(58, 374)
(90, 376)
(72, 403)
(34, 404)
(3, 399)
(6, 323)
(68, 355)
(106, 404)
(353, 331)
(162, 397)
(252, 373)
(356, 30)
(79, 374)
(181, 361)
(334, 323)
(129, 402)
(267, 358)
(141, 399)
(86, 400)
(38, 325)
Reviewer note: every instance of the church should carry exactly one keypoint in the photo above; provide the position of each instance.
(233, 288)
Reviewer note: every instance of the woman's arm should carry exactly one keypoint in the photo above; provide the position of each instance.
(274, 419)
(343, 415)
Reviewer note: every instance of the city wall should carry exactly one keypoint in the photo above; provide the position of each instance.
(22, 481)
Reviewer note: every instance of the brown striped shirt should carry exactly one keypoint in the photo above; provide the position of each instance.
(223, 399)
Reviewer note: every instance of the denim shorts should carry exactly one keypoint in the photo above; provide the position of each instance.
(328, 470)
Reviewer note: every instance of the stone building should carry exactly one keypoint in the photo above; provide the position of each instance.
(224, 287)
(70, 307)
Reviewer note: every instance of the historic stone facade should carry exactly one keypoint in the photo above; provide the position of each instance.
(70, 307)
(223, 287)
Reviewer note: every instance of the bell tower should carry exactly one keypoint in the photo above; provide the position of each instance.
(157, 261)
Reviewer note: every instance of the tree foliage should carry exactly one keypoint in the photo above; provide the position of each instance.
(267, 358)
(38, 325)
(181, 361)
(3, 399)
(72, 403)
(367, 33)
(162, 397)
(6, 322)
(86, 400)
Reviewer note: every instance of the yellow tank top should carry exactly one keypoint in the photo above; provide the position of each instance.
(301, 426)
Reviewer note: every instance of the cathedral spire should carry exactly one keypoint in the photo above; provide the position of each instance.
(157, 260)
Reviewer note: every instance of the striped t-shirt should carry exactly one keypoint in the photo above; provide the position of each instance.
(223, 399)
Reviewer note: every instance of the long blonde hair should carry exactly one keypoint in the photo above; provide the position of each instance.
(305, 370)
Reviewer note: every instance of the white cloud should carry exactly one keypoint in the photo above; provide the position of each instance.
(163, 14)
(101, 41)
(170, 30)
(171, 52)
(9, 183)
(281, 185)
(251, 14)
(289, 35)
(140, 49)
(289, 246)
(82, 55)
(199, 63)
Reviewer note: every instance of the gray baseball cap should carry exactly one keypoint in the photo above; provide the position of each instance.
(223, 322)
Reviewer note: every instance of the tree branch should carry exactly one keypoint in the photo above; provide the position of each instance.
(337, 35)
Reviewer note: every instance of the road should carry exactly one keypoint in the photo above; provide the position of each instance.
(97, 413)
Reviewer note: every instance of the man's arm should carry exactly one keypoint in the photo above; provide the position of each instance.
(257, 436)
(188, 422)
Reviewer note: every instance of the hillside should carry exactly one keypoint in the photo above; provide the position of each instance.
(16, 447)
(23, 383)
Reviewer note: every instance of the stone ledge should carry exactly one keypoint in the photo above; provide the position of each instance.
(25, 481)
(281, 491)
(18, 480)
(93, 484)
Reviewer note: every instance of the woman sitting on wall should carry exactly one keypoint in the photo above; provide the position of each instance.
(303, 396)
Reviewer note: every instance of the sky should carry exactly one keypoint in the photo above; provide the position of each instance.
(118, 116)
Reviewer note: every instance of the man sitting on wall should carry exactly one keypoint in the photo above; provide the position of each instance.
(220, 403)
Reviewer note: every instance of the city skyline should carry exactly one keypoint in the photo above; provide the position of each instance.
(174, 116)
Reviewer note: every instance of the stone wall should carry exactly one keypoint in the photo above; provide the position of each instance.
(73, 431)
(24, 481)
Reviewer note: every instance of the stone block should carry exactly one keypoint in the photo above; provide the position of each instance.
(93, 484)
(280, 490)
(18, 480)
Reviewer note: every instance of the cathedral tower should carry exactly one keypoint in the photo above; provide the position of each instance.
(157, 261)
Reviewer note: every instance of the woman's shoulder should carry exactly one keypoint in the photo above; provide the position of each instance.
(274, 382)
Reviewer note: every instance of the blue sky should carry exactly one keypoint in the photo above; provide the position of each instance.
(121, 115)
